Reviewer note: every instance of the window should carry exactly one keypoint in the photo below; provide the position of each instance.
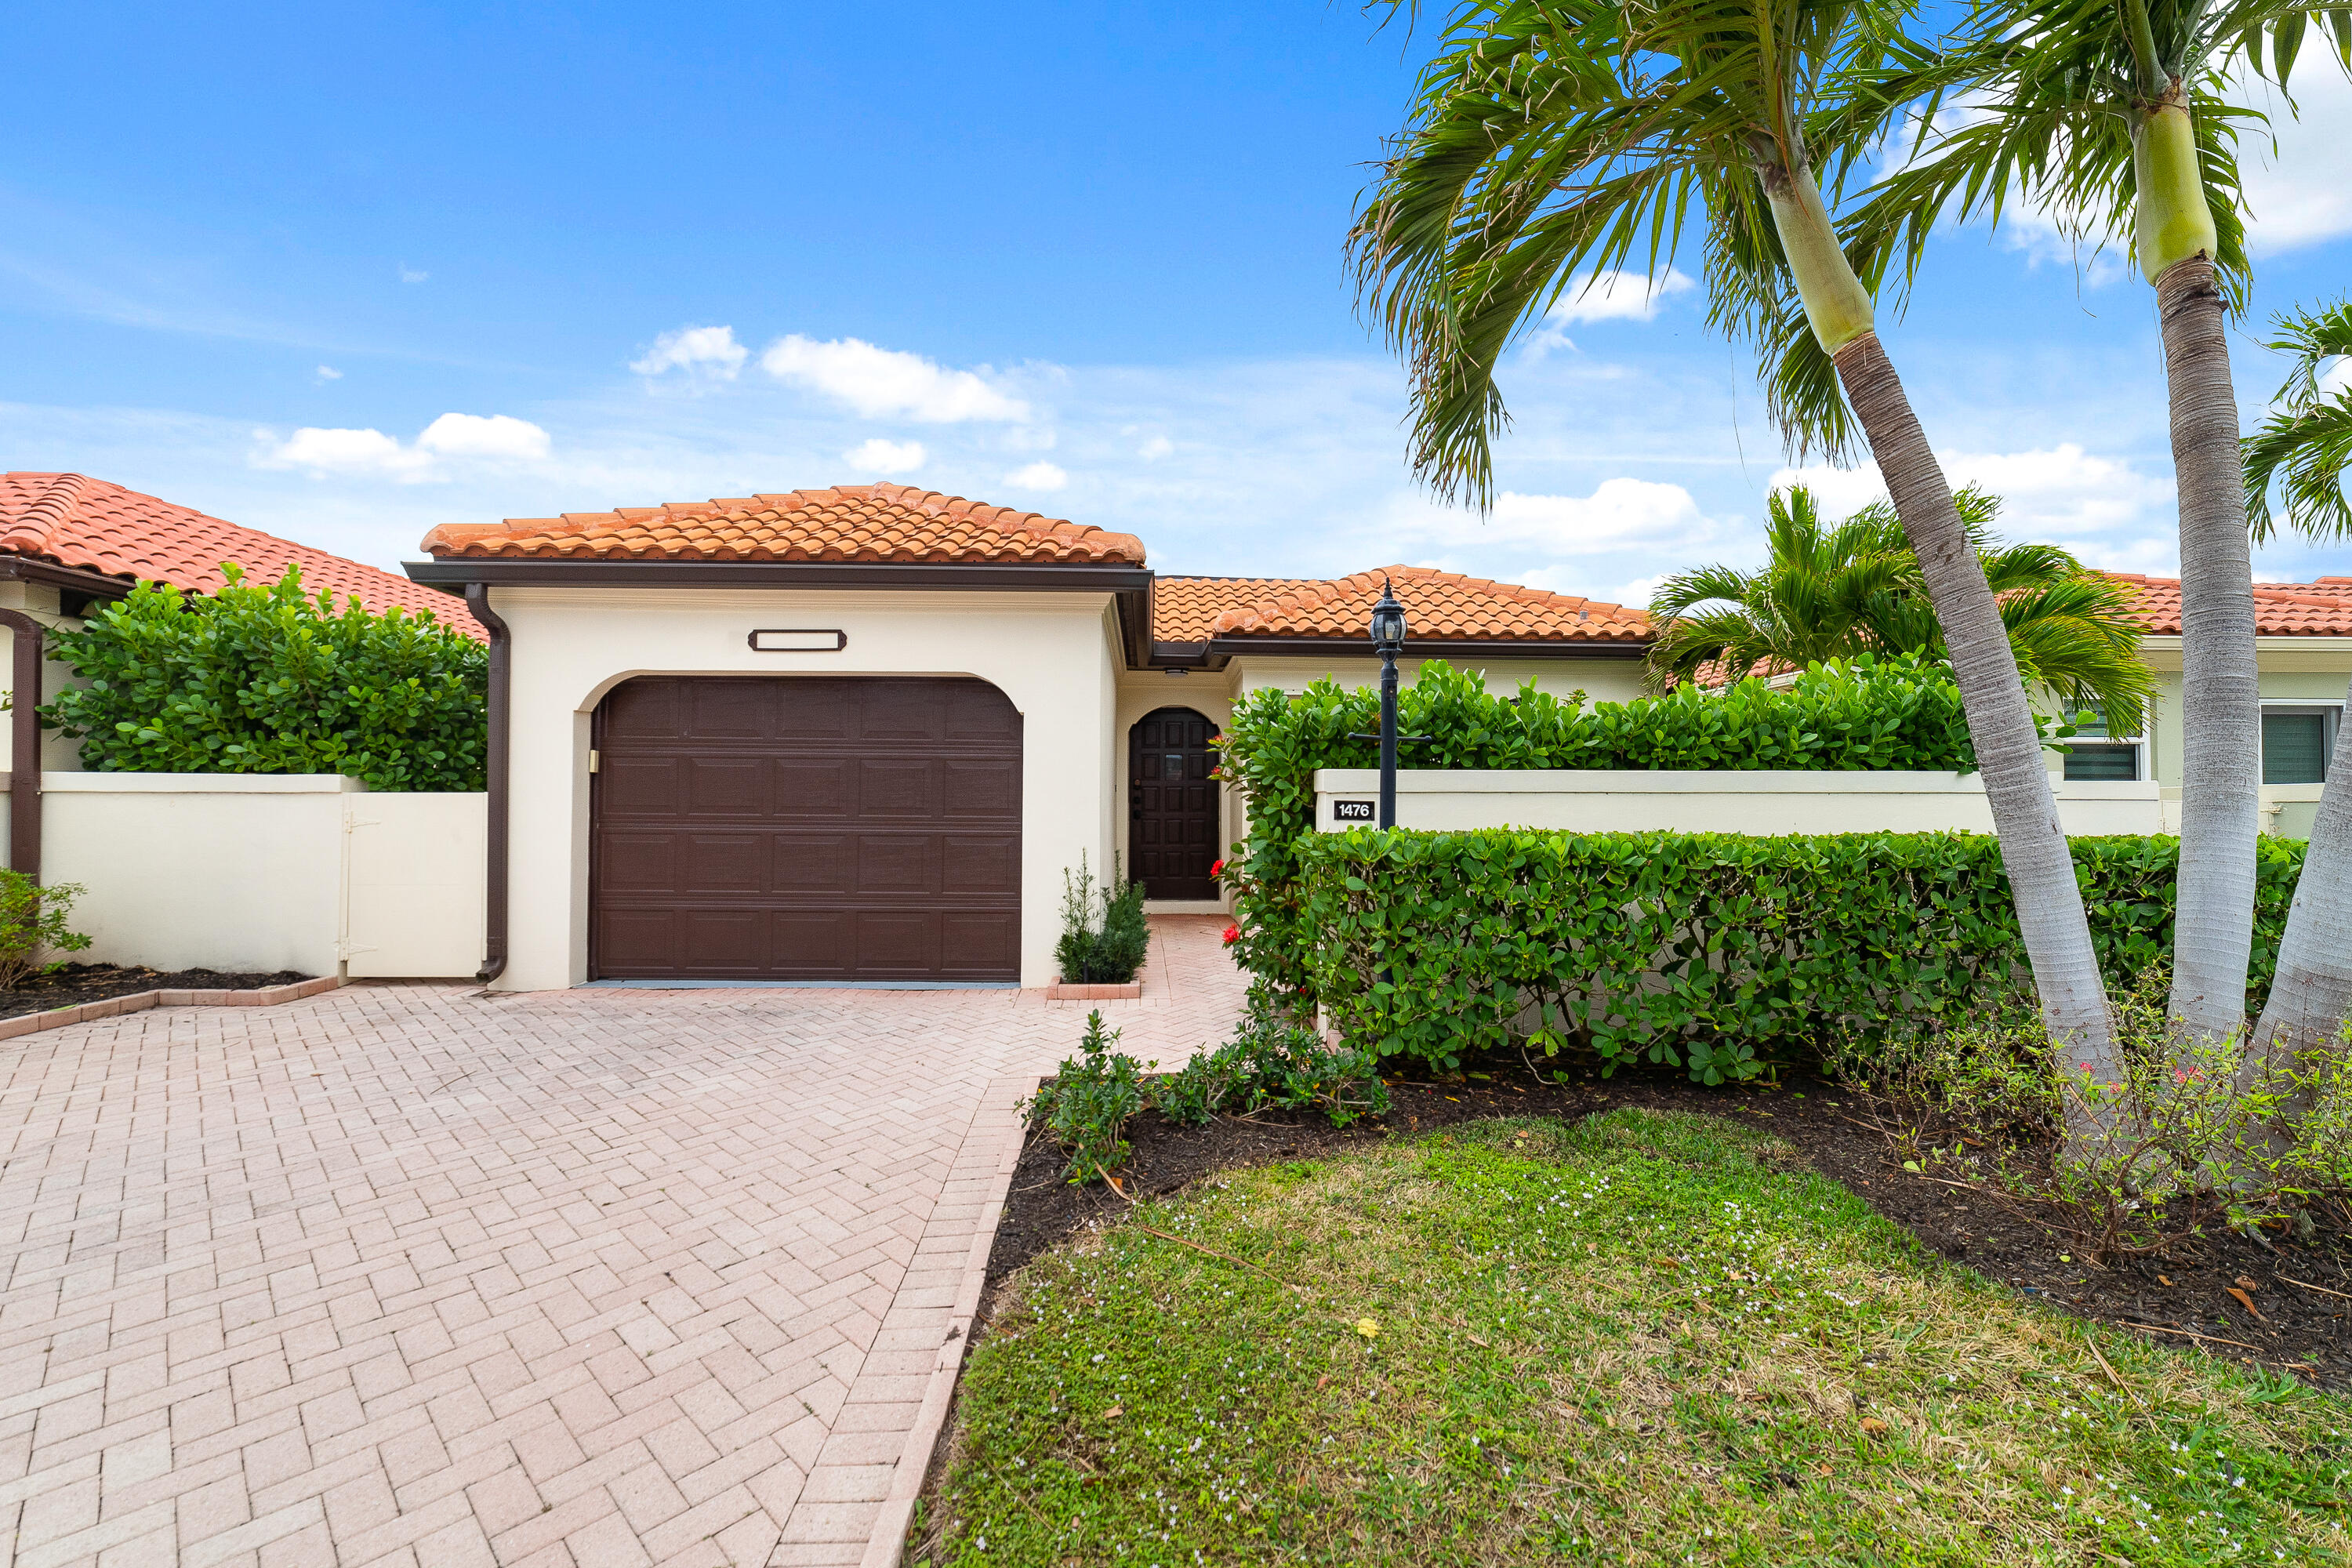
(2095, 756)
(2296, 740)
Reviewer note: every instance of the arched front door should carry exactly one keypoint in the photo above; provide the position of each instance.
(1172, 818)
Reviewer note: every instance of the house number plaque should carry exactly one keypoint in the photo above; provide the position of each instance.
(1351, 811)
(792, 640)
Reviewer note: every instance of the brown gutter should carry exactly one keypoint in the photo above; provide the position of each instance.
(494, 764)
(25, 747)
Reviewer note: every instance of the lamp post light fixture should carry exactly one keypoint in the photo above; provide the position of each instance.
(1388, 641)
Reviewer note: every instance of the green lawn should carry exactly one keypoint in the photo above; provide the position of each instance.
(1637, 1339)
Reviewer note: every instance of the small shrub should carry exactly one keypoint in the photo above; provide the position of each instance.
(1088, 1103)
(1105, 932)
(2197, 1132)
(1277, 1060)
(34, 924)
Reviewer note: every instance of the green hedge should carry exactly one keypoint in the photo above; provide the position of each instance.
(1900, 713)
(1714, 951)
(267, 680)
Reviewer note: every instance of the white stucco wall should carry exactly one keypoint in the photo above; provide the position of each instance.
(250, 873)
(1052, 654)
(1764, 802)
(39, 601)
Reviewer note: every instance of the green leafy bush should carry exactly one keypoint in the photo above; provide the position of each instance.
(265, 679)
(1873, 714)
(2199, 1132)
(35, 922)
(1086, 1106)
(1713, 952)
(1277, 1059)
(1105, 932)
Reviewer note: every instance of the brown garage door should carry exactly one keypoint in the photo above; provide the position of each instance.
(807, 828)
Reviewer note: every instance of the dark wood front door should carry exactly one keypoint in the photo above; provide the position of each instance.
(806, 828)
(1173, 824)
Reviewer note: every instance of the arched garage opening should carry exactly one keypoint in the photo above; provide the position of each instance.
(805, 828)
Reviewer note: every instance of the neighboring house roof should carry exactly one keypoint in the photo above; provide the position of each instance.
(1440, 607)
(878, 522)
(2321, 609)
(91, 525)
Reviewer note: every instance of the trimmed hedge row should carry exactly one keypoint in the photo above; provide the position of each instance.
(1898, 714)
(1713, 952)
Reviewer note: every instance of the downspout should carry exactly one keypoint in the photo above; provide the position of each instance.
(25, 747)
(494, 924)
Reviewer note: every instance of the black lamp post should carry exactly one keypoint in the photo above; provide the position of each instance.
(1388, 641)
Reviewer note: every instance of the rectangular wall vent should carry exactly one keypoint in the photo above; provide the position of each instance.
(788, 639)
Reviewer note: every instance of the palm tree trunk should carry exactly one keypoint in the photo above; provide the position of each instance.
(2220, 778)
(2033, 849)
(2311, 994)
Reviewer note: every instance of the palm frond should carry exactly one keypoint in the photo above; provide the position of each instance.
(2305, 455)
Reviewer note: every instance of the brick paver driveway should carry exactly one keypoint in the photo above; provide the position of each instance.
(409, 1274)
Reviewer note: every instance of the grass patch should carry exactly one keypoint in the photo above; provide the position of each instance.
(1640, 1337)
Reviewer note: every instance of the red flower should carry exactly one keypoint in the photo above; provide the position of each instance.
(1232, 935)
(1218, 870)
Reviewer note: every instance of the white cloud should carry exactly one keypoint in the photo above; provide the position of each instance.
(1037, 476)
(2337, 378)
(411, 275)
(878, 382)
(495, 438)
(1615, 295)
(2298, 195)
(1620, 514)
(345, 452)
(711, 350)
(2058, 492)
(329, 373)
(1158, 447)
(879, 457)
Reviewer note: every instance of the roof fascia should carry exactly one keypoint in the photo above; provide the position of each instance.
(1423, 647)
(451, 573)
(69, 579)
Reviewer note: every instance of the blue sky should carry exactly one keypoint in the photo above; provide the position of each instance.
(345, 273)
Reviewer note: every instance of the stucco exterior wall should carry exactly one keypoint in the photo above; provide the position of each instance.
(39, 601)
(1051, 653)
(1766, 802)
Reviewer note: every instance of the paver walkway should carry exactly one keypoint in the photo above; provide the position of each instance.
(411, 1274)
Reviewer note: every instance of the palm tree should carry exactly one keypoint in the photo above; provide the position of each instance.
(1554, 136)
(2109, 113)
(2305, 450)
(1835, 591)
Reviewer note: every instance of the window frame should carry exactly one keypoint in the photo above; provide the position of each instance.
(2331, 714)
(2136, 742)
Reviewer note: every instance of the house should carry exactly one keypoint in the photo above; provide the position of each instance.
(858, 734)
(2304, 642)
(67, 541)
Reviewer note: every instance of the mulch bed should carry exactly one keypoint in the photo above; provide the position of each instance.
(2304, 1328)
(78, 982)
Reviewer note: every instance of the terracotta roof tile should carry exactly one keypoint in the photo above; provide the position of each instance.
(1184, 609)
(878, 522)
(1439, 607)
(2321, 609)
(75, 521)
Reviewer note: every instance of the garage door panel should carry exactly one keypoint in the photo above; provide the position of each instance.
(810, 944)
(808, 828)
(722, 863)
(898, 863)
(638, 862)
(980, 863)
(979, 944)
(897, 944)
(728, 786)
(807, 864)
(977, 788)
(818, 789)
(640, 786)
(729, 710)
(900, 786)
